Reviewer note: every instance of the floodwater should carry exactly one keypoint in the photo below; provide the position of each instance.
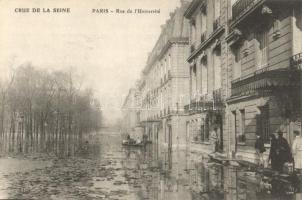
(103, 169)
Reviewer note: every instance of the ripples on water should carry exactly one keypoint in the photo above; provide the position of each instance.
(102, 169)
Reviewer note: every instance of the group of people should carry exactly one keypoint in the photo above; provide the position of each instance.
(280, 151)
(138, 140)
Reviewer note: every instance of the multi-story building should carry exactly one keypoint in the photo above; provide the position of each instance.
(165, 82)
(131, 114)
(207, 59)
(265, 45)
(223, 72)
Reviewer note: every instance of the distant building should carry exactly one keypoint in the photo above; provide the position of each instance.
(131, 115)
(165, 82)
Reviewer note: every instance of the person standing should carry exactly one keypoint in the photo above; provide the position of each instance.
(260, 149)
(297, 151)
(272, 153)
(283, 151)
(214, 139)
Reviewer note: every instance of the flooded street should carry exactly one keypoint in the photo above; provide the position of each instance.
(105, 170)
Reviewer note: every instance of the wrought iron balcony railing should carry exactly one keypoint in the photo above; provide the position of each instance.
(241, 6)
(206, 103)
(263, 81)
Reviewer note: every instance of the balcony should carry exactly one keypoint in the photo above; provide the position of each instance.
(262, 82)
(206, 103)
(252, 10)
(199, 106)
(217, 96)
(296, 61)
(241, 6)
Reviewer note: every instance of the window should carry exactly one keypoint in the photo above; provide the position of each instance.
(193, 81)
(262, 123)
(161, 70)
(262, 48)
(203, 23)
(241, 133)
(237, 64)
(206, 129)
(217, 68)
(169, 62)
(202, 132)
(193, 31)
(204, 78)
(194, 131)
(216, 9)
(235, 123)
(276, 29)
(276, 25)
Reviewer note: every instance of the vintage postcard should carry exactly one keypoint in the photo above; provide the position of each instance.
(151, 99)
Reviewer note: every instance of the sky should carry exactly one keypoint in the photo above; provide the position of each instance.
(108, 49)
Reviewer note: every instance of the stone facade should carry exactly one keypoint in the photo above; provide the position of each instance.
(165, 82)
(263, 81)
(222, 72)
(205, 124)
(131, 114)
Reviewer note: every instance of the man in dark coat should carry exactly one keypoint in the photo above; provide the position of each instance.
(272, 153)
(283, 151)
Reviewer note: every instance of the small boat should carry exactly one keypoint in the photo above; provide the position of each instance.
(133, 144)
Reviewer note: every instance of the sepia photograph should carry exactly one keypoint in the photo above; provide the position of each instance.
(151, 99)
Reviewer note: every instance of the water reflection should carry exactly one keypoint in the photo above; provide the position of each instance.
(181, 175)
(102, 169)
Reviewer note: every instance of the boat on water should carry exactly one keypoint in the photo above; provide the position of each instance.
(133, 143)
(136, 143)
(126, 143)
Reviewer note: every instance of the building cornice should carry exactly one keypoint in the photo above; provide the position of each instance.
(164, 49)
(127, 98)
(192, 7)
(204, 44)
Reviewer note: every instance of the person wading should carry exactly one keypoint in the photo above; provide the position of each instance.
(297, 151)
(283, 152)
(272, 153)
(260, 149)
(214, 139)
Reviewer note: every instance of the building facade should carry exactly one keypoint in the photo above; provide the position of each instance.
(165, 82)
(131, 115)
(264, 95)
(223, 72)
(208, 55)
